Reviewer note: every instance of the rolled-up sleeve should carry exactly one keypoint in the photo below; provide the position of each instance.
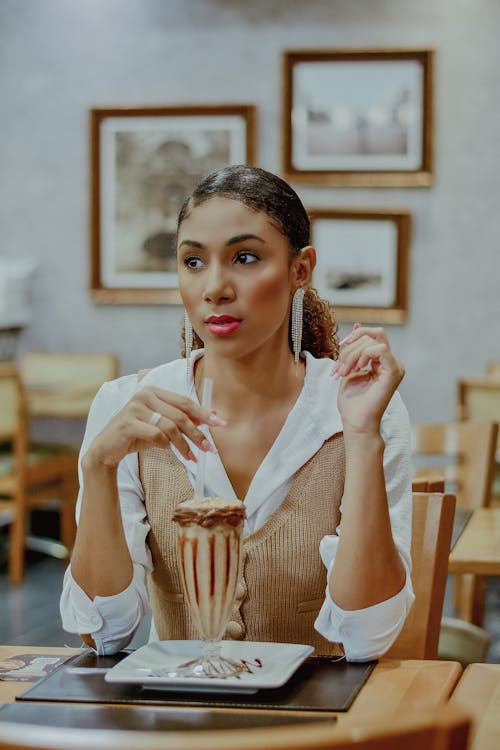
(368, 633)
(113, 620)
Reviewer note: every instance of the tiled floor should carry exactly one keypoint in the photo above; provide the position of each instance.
(29, 614)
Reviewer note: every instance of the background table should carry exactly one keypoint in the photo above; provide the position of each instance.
(478, 547)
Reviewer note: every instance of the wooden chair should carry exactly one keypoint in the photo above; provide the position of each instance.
(30, 474)
(443, 728)
(432, 524)
(63, 384)
(479, 399)
(466, 455)
(462, 641)
(493, 370)
(463, 453)
(428, 484)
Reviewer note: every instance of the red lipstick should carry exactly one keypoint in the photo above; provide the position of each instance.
(222, 325)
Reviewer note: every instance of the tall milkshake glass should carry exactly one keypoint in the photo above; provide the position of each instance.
(209, 546)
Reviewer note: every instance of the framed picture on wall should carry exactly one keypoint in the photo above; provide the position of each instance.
(362, 263)
(144, 162)
(358, 117)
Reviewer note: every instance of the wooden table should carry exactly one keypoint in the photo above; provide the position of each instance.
(477, 550)
(393, 687)
(476, 553)
(478, 692)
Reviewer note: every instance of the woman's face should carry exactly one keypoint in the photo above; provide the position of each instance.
(235, 276)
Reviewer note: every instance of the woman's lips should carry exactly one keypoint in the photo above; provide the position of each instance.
(222, 325)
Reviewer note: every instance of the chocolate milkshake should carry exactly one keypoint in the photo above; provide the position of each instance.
(209, 536)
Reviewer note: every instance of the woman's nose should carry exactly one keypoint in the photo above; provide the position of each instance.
(218, 285)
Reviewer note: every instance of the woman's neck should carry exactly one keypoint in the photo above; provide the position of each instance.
(244, 387)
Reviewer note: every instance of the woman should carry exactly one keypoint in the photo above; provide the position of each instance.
(291, 435)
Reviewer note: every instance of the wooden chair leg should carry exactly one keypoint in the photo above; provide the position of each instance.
(458, 583)
(471, 597)
(17, 543)
(478, 600)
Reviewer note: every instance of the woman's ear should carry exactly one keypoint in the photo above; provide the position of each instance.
(303, 265)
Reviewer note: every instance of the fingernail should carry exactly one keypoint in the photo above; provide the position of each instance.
(207, 446)
(344, 340)
(214, 419)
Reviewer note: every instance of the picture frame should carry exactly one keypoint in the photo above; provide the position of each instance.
(362, 263)
(144, 162)
(358, 117)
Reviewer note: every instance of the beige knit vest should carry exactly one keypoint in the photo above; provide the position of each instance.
(282, 581)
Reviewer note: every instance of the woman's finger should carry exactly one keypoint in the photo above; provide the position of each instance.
(359, 331)
(164, 434)
(170, 414)
(174, 424)
(360, 356)
(197, 413)
(352, 350)
(177, 439)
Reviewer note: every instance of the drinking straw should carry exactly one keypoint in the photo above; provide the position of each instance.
(206, 402)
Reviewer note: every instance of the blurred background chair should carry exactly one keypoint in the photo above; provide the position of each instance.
(428, 484)
(479, 399)
(432, 523)
(31, 475)
(493, 370)
(58, 389)
(62, 384)
(464, 454)
(462, 641)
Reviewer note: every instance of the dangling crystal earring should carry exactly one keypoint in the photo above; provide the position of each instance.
(297, 318)
(188, 340)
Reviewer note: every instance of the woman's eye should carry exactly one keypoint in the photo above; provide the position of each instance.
(246, 257)
(191, 261)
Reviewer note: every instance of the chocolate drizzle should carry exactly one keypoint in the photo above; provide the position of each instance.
(207, 517)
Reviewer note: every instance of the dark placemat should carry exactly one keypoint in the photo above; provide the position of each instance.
(320, 684)
(141, 718)
(462, 516)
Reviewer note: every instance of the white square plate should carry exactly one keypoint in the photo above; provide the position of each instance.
(267, 665)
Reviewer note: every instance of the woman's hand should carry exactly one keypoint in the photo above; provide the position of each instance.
(132, 430)
(370, 375)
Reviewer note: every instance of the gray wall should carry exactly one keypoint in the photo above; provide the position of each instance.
(60, 57)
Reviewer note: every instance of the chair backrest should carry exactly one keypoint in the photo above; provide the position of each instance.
(429, 483)
(462, 452)
(444, 728)
(479, 399)
(63, 384)
(432, 524)
(10, 394)
(13, 420)
(493, 370)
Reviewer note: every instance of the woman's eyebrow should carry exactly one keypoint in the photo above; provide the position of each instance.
(232, 241)
(192, 243)
(243, 237)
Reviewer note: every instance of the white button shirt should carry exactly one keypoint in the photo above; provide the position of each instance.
(365, 634)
